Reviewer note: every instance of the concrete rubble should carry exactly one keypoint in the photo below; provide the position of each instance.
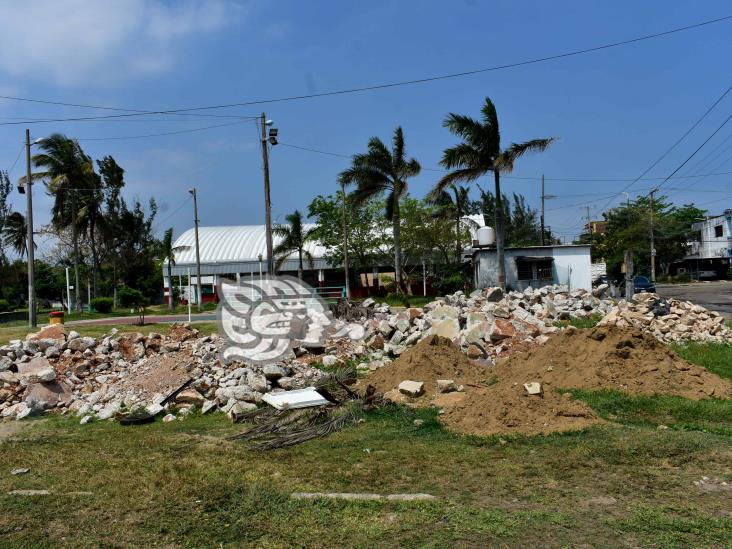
(99, 378)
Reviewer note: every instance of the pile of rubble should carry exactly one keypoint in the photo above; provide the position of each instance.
(486, 323)
(90, 377)
(669, 320)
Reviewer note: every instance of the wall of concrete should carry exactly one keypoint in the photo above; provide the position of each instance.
(571, 266)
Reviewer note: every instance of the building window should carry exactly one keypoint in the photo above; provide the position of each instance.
(525, 271)
(529, 268)
(544, 270)
(718, 233)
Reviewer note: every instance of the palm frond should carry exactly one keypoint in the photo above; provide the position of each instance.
(505, 161)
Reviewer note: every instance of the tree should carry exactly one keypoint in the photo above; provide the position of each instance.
(380, 171)
(15, 233)
(68, 174)
(134, 299)
(369, 241)
(4, 205)
(168, 251)
(628, 228)
(454, 203)
(480, 153)
(521, 222)
(294, 237)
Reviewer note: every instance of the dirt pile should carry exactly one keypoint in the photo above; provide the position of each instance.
(626, 359)
(493, 399)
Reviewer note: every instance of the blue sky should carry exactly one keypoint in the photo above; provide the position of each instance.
(614, 111)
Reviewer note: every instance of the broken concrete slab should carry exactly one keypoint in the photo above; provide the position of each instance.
(411, 388)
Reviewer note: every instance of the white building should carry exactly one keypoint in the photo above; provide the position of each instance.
(534, 266)
(709, 256)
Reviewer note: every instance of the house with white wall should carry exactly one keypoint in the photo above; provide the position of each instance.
(534, 266)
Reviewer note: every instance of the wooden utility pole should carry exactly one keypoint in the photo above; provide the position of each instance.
(267, 203)
(653, 245)
(543, 242)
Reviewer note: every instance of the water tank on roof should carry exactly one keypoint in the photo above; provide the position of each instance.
(486, 236)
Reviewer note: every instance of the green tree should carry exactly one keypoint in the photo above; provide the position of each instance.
(382, 171)
(68, 173)
(293, 238)
(454, 203)
(522, 226)
(369, 241)
(479, 153)
(15, 233)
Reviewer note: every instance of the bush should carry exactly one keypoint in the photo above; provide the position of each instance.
(129, 297)
(449, 284)
(4, 305)
(102, 304)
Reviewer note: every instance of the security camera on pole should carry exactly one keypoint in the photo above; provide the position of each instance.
(266, 141)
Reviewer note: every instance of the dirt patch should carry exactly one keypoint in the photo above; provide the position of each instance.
(494, 401)
(161, 373)
(181, 332)
(613, 358)
(54, 331)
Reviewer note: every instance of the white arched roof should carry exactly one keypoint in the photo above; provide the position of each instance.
(234, 249)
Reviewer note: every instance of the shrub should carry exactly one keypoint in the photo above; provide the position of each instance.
(449, 284)
(102, 304)
(4, 305)
(129, 297)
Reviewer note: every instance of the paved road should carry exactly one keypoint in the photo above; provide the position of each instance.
(716, 296)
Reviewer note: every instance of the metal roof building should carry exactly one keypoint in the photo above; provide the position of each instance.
(235, 249)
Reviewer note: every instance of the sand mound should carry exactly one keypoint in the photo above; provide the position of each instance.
(494, 401)
(613, 358)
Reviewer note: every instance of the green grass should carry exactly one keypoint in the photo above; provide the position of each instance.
(182, 484)
(96, 330)
(580, 323)
(715, 357)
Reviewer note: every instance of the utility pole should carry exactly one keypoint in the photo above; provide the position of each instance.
(653, 245)
(267, 204)
(199, 297)
(29, 222)
(345, 244)
(544, 197)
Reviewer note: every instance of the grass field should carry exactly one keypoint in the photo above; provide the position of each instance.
(628, 483)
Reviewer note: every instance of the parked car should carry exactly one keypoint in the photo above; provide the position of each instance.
(641, 284)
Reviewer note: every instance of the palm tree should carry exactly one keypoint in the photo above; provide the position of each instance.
(168, 252)
(294, 236)
(480, 153)
(68, 170)
(455, 206)
(15, 233)
(380, 170)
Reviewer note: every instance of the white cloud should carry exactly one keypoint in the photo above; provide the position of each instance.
(78, 42)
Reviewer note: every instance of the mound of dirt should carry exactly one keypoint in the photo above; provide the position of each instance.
(488, 404)
(493, 399)
(627, 359)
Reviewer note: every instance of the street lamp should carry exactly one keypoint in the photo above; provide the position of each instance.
(199, 300)
(32, 321)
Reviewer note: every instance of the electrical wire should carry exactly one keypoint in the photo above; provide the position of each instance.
(672, 147)
(15, 162)
(373, 87)
(189, 130)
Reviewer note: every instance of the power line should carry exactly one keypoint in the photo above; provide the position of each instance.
(679, 140)
(373, 87)
(15, 162)
(189, 130)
